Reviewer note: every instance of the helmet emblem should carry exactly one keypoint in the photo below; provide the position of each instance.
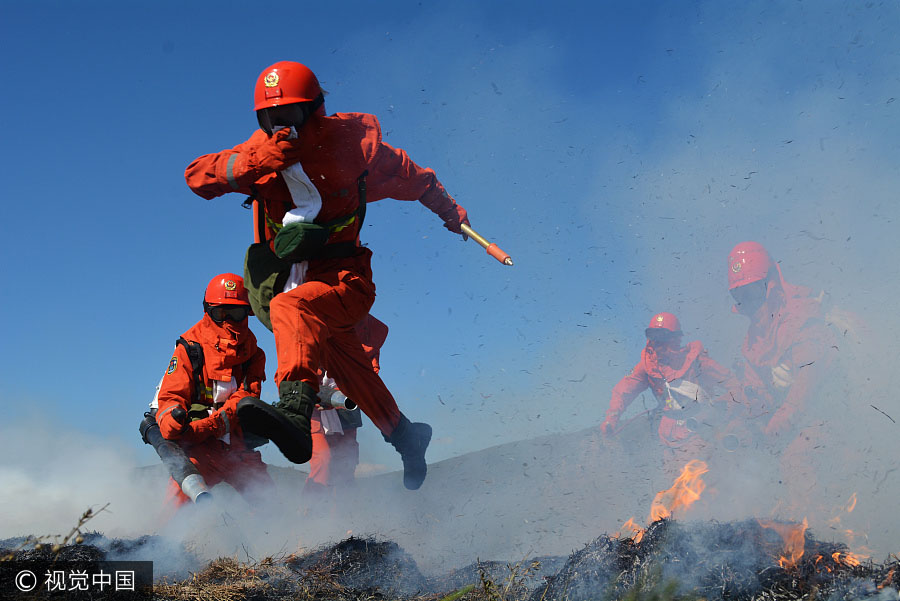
(736, 266)
(271, 79)
(230, 285)
(659, 318)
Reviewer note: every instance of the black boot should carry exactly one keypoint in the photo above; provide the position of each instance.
(286, 423)
(411, 440)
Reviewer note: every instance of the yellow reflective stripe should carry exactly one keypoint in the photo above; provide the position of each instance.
(275, 227)
(336, 228)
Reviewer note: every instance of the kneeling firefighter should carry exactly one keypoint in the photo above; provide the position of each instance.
(690, 387)
(216, 364)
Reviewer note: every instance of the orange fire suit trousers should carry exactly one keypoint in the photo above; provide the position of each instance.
(334, 457)
(218, 462)
(313, 326)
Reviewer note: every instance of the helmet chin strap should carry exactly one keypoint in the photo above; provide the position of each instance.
(315, 104)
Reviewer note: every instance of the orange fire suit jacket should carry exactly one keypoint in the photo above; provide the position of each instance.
(225, 360)
(691, 363)
(789, 350)
(336, 151)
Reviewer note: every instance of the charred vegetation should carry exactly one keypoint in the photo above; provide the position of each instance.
(670, 560)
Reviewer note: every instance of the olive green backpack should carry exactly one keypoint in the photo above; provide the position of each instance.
(266, 271)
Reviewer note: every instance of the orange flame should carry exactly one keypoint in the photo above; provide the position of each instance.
(684, 491)
(835, 522)
(794, 537)
(887, 579)
(631, 529)
(847, 559)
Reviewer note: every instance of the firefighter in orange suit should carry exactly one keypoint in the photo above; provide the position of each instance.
(789, 351)
(312, 175)
(692, 390)
(215, 365)
(335, 449)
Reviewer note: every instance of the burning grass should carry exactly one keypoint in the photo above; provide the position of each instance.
(716, 561)
(672, 560)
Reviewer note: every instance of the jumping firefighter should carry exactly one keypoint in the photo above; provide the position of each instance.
(216, 364)
(789, 348)
(311, 176)
(335, 422)
(690, 387)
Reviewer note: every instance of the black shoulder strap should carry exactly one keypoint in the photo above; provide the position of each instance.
(248, 202)
(195, 354)
(245, 373)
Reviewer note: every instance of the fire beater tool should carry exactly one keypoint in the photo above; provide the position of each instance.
(491, 248)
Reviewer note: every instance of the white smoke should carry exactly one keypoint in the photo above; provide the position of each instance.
(51, 475)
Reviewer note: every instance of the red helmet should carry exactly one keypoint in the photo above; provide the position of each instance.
(748, 262)
(285, 82)
(226, 289)
(666, 321)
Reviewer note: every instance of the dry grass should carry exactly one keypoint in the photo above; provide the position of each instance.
(673, 562)
(227, 579)
(58, 541)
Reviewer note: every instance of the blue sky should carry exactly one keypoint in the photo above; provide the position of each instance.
(617, 150)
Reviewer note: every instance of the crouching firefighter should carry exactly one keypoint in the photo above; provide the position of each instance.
(690, 387)
(216, 364)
